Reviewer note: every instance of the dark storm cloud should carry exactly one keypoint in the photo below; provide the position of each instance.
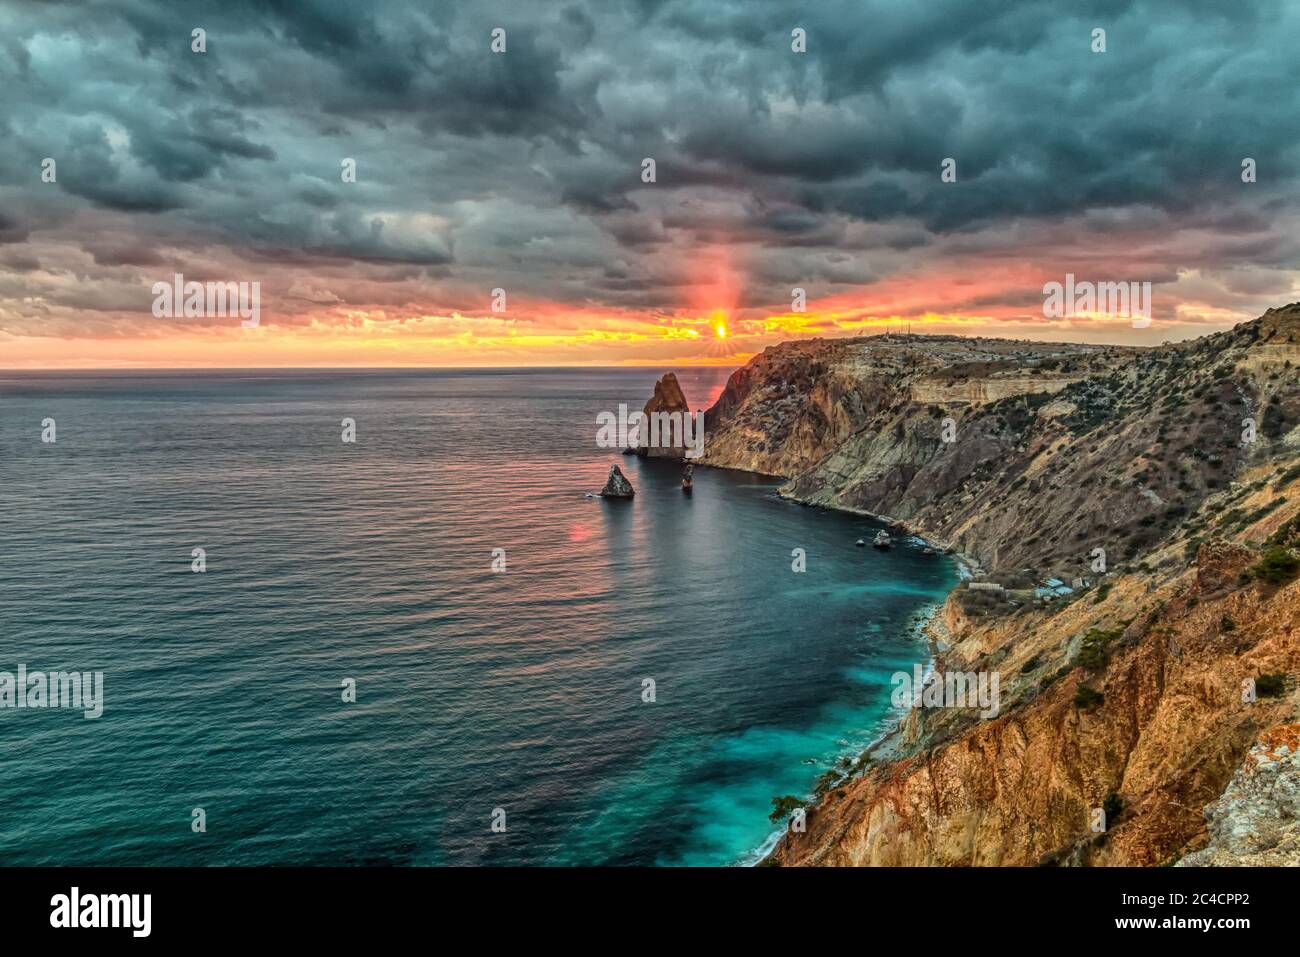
(478, 168)
(190, 147)
(11, 230)
(20, 263)
(130, 254)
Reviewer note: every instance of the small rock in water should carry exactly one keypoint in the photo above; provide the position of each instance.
(617, 485)
(860, 543)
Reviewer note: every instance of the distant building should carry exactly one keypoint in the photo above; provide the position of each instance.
(1051, 588)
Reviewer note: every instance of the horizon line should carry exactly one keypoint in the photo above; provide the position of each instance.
(737, 360)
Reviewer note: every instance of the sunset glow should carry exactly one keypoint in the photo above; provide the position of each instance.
(404, 226)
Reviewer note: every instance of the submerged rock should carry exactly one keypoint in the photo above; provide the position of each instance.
(617, 485)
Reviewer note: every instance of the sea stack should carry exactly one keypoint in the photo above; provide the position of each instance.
(617, 485)
(668, 398)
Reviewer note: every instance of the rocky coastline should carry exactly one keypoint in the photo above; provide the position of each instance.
(1132, 519)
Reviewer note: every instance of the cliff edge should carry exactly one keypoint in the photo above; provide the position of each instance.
(1162, 485)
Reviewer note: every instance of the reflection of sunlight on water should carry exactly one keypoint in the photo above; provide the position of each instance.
(525, 685)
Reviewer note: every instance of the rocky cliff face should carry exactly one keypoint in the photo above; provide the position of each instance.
(1164, 733)
(1256, 823)
(1178, 467)
(1084, 447)
(791, 406)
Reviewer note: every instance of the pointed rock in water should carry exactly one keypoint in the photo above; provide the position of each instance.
(617, 485)
(668, 398)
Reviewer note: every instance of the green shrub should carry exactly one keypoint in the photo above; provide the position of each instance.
(1286, 533)
(1053, 678)
(1277, 421)
(1087, 698)
(827, 781)
(863, 763)
(783, 807)
(1092, 656)
(1276, 566)
(1270, 686)
(1092, 652)
(1287, 477)
(1113, 806)
(1262, 511)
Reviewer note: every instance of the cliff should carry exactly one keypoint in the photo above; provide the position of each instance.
(1080, 447)
(1163, 482)
(1257, 821)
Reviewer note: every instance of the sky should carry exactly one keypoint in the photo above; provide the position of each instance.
(523, 171)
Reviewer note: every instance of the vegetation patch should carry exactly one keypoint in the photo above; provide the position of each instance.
(1113, 806)
(1087, 697)
(1092, 652)
(1270, 685)
(783, 807)
(1276, 566)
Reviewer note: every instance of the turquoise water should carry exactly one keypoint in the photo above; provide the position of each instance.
(475, 690)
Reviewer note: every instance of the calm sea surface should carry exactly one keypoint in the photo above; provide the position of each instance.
(371, 561)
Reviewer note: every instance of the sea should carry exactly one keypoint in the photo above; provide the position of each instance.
(430, 645)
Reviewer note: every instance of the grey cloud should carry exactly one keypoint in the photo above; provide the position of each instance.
(473, 165)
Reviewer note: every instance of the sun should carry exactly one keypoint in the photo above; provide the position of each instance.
(718, 319)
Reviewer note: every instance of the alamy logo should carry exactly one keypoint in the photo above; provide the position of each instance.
(134, 911)
(658, 430)
(57, 689)
(193, 300)
(955, 689)
(1130, 300)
